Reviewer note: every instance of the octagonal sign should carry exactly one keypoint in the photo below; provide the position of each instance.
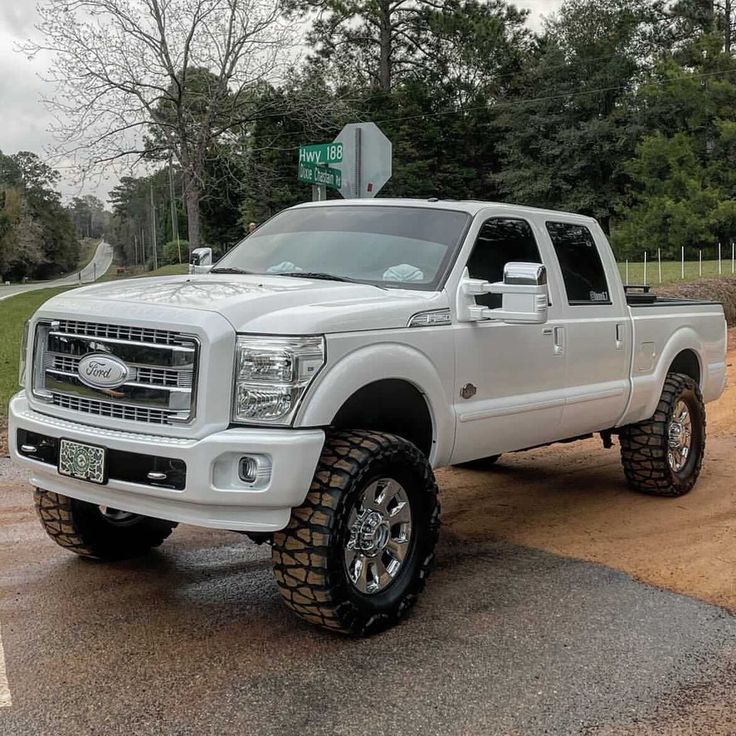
(366, 163)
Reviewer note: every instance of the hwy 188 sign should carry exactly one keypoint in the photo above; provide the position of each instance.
(361, 158)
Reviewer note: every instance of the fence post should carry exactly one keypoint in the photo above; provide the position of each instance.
(700, 262)
(659, 264)
(627, 271)
(682, 262)
(645, 268)
(719, 258)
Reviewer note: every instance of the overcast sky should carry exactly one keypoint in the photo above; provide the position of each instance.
(24, 120)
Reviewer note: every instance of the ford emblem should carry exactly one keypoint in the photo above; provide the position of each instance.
(102, 371)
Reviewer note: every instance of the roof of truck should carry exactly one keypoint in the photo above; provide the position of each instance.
(471, 206)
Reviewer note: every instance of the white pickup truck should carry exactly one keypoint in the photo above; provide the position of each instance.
(304, 389)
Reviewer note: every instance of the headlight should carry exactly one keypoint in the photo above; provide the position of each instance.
(272, 374)
(23, 352)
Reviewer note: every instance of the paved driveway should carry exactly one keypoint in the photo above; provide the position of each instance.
(193, 640)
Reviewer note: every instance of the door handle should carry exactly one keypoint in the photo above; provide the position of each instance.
(619, 336)
(559, 340)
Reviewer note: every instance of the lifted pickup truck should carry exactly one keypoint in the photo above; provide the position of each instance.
(304, 389)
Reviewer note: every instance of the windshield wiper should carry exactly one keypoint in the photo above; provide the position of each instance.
(230, 269)
(317, 275)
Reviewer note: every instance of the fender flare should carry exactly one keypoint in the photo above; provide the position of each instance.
(373, 363)
(685, 338)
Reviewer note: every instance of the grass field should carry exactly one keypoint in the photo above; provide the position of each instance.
(16, 310)
(671, 271)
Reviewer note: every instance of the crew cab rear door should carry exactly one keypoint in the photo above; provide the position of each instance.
(597, 326)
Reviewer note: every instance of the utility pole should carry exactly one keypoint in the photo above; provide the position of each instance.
(153, 231)
(174, 219)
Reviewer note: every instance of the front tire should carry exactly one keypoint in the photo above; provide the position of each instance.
(356, 554)
(663, 455)
(98, 532)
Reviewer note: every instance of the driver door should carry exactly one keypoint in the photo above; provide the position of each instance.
(509, 378)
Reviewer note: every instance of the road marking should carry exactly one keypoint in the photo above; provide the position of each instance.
(5, 701)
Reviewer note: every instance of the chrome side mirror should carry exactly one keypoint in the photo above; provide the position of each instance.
(524, 293)
(525, 274)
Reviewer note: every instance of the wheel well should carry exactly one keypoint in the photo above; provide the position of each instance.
(390, 405)
(687, 362)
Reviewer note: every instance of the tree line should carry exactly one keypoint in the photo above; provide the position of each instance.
(39, 235)
(620, 109)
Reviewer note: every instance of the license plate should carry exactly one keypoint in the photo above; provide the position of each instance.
(86, 462)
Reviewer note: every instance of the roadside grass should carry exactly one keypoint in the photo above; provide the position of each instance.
(15, 311)
(139, 272)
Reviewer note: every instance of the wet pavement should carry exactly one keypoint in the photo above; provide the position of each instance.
(193, 639)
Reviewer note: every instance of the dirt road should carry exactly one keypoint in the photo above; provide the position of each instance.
(571, 500)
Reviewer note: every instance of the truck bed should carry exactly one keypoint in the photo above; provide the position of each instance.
(640, 296)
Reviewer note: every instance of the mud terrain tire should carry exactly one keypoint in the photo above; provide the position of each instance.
(311, 556)
(84, 529)
(649, 450)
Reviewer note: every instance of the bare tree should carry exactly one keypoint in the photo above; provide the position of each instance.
(129, 78)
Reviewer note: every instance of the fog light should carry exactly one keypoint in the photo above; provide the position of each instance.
(254, 469)
(248, 471)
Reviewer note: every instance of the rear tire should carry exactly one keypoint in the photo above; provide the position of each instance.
(96, 532)
(663, 455)
(482, 463)
(356, 554)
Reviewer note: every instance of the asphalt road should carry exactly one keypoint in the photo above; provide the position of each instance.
(193, 640)
(101, 261)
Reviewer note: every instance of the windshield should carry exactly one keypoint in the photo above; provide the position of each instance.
(404, 247)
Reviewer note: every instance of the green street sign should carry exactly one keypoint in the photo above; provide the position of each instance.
(321, 153)
(320, 175)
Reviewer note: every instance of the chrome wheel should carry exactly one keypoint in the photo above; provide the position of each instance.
(380, 532)
(679, 437)
(117, 517)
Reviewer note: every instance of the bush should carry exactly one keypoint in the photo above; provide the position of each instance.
(721, 290)
(170, 252)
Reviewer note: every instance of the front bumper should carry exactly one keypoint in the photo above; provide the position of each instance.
(213, 495)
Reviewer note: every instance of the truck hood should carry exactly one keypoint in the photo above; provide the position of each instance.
(261, 304)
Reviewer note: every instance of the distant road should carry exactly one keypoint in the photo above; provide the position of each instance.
(101, 261)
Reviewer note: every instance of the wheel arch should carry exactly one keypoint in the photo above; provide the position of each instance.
(688, 363)
(377, 373)
(682, 353)
(392, 405)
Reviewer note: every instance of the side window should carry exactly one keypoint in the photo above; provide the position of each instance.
(582, 270)
(500, 240)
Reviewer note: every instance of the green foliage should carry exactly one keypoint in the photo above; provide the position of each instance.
(620, 109)
(37, 237)
(171, 250)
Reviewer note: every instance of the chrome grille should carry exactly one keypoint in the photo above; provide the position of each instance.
(118, 332)
(108, 409)
(158, 388)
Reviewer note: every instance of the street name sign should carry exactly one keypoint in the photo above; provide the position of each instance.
(321, 153)
(325, 176)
